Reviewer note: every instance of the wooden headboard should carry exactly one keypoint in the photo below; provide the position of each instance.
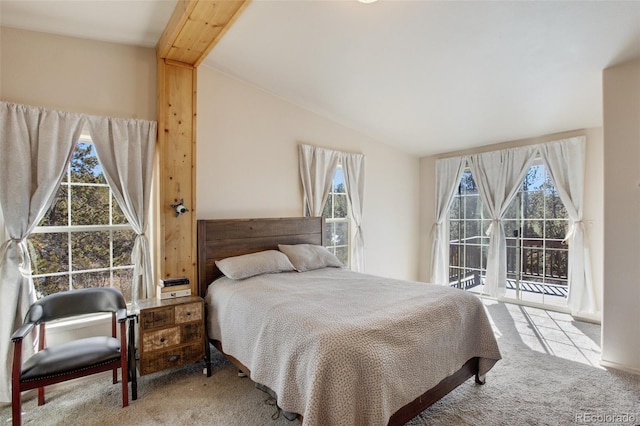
(221, 238)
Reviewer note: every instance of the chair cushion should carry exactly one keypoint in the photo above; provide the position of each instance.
(71, 356)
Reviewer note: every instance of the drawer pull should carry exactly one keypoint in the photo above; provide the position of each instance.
(173, 358)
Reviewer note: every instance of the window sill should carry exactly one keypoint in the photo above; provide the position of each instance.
(77, 322)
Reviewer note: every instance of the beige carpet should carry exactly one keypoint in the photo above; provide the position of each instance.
(549, 375)
(179, 396)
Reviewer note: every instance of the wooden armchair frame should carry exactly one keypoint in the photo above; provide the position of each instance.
(85, 356)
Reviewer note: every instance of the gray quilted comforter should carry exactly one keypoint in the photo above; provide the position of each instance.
(344, 348)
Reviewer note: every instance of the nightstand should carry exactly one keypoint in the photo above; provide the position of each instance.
(171, 333)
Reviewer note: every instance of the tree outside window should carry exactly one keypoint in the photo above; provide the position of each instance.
(84, 240)
(336, 215)
(535, 224)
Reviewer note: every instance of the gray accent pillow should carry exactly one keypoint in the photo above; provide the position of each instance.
(249, 265)
(307, 257)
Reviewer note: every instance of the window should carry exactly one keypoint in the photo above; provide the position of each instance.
(468, 242)
(84, 240)
(535, 225)
(336, 214)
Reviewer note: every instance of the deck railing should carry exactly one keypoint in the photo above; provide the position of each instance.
(532, 260)
(471, 281)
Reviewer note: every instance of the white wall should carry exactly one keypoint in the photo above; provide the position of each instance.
(593, 213)
(72, 74)
(247, 138)
(78, 75)
(248, 167)
(621, 313)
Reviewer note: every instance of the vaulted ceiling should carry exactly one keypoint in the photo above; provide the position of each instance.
(425, 76)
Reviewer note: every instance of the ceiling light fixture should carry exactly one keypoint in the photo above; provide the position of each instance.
(367, 1)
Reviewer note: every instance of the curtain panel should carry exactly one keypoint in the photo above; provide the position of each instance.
(35, 147)
(448, 174)
(125, 149)
(317, 169)
(353, 166)
(498, 176)
(565, 162)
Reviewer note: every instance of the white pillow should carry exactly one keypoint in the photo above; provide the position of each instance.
(249, 265)
(307, 257)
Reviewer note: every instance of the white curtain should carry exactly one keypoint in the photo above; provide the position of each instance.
(35, 148)
(448, 174)
(565, 162)
(125, 149)
(499, 175)
(317, 167)
(353, 167)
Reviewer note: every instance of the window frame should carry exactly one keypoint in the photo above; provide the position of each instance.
(521, 221)
(543, 251)
(462, 219)
(334, 220)
(70, 229)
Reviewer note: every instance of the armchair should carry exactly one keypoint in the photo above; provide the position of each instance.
(72, 359)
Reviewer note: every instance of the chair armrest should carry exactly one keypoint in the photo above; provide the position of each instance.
(121, 315)
(20, 333)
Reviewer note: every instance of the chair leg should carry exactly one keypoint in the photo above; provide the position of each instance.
(125, 389)
(16, 407)
(41, 395)
(16, 369)
(41, 346)
(115, 375)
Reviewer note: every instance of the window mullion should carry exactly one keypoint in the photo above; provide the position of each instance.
(111, 258)
(69, 242)
(110, 238)
(333, 203)
(80, 228)
(70, 261)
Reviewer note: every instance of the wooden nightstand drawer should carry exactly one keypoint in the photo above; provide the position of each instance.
(192, 332)
(154, 362)
(188, 312)
(166, 337)
(172, 333)
(156, 318)
(192, 353)
(161, 360)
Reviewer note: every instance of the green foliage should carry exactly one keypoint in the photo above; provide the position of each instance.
(83, 199)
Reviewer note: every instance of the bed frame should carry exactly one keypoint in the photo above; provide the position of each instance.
(218, 239)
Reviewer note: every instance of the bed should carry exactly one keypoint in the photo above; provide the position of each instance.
(332, 349)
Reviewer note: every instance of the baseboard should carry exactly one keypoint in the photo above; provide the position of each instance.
(621, 367)
(592, 318)
(584, 317)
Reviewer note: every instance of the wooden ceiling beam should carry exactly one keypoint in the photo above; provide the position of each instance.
(195, 27)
